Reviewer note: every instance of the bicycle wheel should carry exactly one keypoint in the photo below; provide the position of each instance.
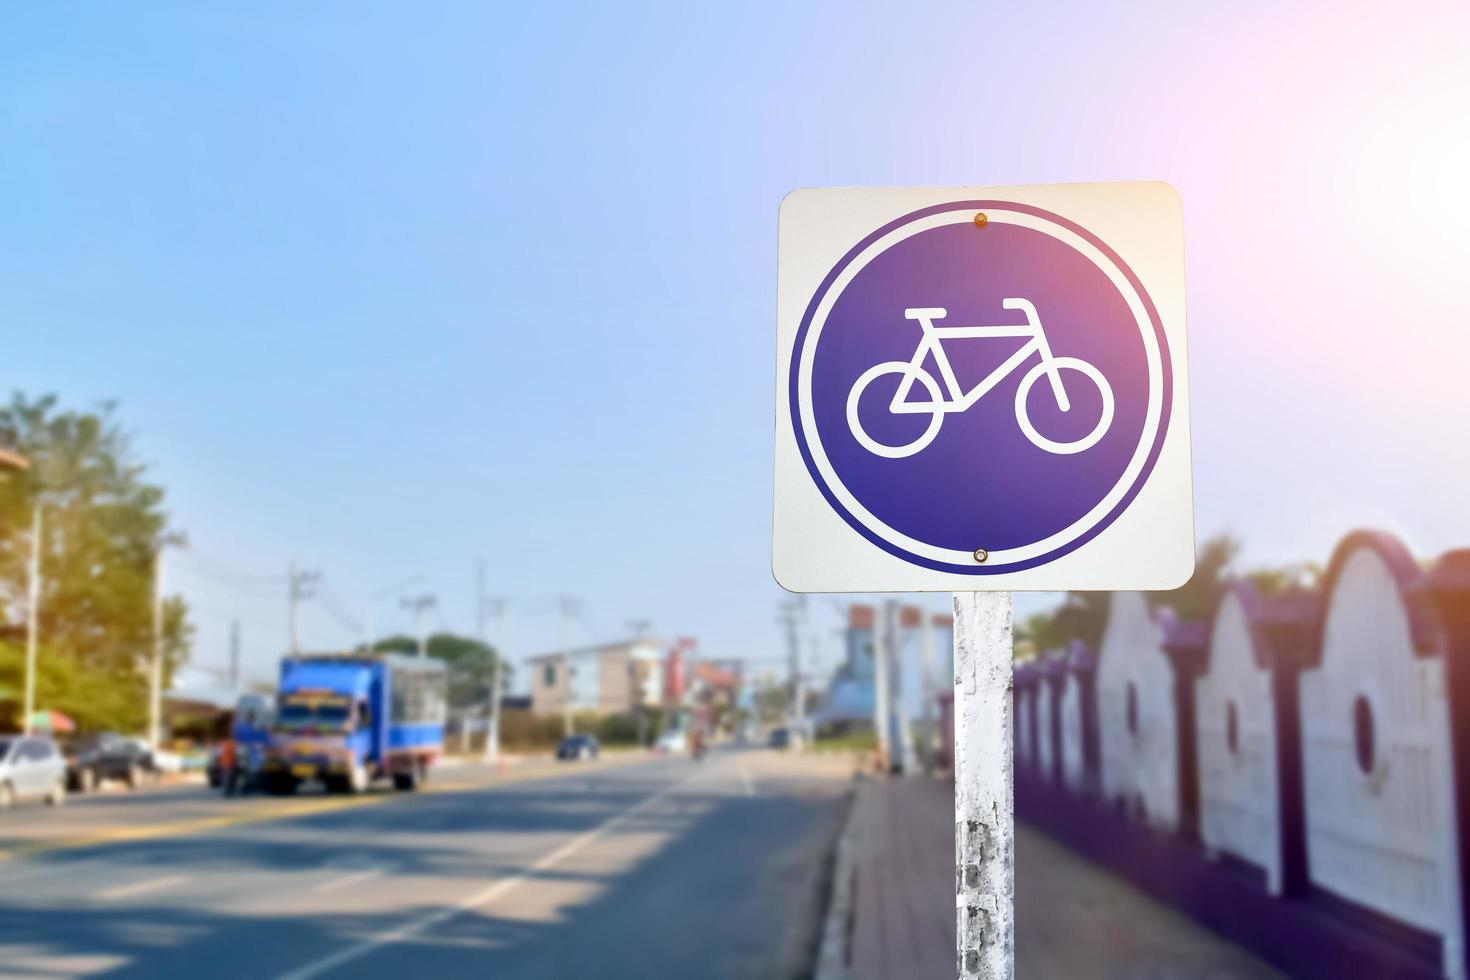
(873, 374)
(1098, 431)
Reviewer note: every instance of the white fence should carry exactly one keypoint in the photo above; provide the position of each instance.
(1135, 701)
(1235, 718)
(1318, 745)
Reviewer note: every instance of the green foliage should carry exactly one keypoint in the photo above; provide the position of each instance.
(103, 523)
(1084, 615)
(862, 740)
(521, 731)
(1038, 634)
(1196, 598)
(1271, 581)
(471, 664)
(622, 728)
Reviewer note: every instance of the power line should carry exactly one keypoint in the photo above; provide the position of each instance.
(336, 608)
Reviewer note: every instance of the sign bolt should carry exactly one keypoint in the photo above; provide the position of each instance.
(980, 553)
(980, 220)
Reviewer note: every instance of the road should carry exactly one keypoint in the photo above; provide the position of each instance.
(647, 868)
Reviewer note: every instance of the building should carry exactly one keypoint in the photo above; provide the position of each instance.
(606, 679)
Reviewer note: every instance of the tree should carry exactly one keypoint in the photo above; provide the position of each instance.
(1196, 598)
(471, 664)
(1271, 581)
(103, 525)
(1083, 616)
(1039, 634)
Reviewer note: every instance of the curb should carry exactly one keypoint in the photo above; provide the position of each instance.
(836, 949)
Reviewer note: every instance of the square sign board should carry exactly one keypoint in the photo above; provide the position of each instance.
(982, 388)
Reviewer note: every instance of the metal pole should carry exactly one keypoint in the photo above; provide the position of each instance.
(799, 681)
(984, 801)
(235, 657)
(155, 671)
(926, 669)
(33, 608)
(569, 605)
(292, 590)
(880, 691)
(502, 631)
(900, 707)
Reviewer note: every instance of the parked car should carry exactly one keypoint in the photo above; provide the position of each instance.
(780, 738)
(31, 768)
(675, 741)
(578, 747)
(93, 759)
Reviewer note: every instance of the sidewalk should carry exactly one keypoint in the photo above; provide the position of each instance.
(1073, 919)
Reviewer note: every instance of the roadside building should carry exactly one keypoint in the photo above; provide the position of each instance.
(606, 679)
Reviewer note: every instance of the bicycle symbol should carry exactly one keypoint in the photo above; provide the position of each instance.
(961, 401)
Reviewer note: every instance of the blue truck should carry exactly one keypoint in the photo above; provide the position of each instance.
(349, 719)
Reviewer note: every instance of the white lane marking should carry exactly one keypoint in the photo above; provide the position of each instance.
(346, 881)
(473, 901)
(140, 887)
(745, 778)
(49, 871)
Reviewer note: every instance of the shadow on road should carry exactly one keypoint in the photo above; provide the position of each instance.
(732, 888)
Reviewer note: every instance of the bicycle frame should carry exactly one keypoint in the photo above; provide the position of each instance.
(959, 400)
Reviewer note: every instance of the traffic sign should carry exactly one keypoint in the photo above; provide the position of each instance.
(982, 388)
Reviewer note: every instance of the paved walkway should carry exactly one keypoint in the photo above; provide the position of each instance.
(1073, 919)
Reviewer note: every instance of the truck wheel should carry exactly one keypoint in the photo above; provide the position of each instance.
(404, 781)
(134, 777)
(57, 796)
(279, 785)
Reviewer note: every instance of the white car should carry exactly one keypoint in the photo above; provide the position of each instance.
(675, 741)
(31, 769)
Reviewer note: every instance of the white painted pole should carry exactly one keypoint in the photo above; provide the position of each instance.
(33, 609)
(984, 801)
(882, 657)
(904, 724)
(293, 596)
(926, 680)
(155, 667)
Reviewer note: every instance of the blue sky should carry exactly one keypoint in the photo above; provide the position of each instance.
(388, 290)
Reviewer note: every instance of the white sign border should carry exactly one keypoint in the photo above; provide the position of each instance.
(1148, 546)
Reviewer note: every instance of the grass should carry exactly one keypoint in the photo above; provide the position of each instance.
(863, 741)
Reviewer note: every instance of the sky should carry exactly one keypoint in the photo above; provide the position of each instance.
(387, 290)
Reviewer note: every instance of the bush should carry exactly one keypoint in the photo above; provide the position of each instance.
(522, 731)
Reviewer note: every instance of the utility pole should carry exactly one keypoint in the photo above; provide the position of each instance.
(881, 711)
(793, 616)
(926, 680)
(893, 617)
(570, 606)
(487, 606)
(301, 585)
(33, 609)
(155, 669)
(419, 605)
(235, 657)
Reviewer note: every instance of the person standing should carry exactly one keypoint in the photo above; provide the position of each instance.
(229, 765)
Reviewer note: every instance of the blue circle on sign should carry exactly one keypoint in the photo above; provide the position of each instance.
(1001, 385)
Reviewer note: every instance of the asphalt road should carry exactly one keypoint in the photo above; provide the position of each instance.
(647, 868)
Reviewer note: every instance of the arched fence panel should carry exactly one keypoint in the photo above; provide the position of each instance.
(1136, 712)
(1376, 758)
